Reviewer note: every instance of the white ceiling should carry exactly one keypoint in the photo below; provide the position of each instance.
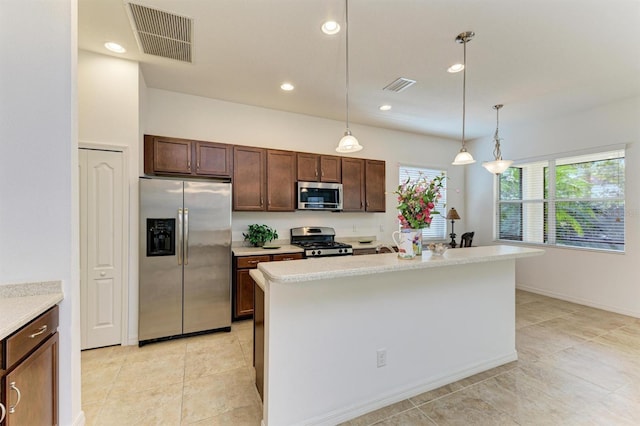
(540, 58)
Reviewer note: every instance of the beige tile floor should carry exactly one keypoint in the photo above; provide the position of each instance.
(577, 366)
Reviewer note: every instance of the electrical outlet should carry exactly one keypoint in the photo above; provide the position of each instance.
(355, 228)
(381, 355)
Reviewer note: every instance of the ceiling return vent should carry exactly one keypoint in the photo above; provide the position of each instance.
(399, 85)
(162, 34)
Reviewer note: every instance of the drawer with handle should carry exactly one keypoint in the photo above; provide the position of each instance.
(23, 341)
(287, 256)
(250, 262)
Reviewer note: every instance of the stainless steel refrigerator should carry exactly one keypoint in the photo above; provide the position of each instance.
(185, 258)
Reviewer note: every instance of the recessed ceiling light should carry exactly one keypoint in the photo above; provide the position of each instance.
(287, 87)
(331, 28)
(114, 47)
(455, 68)
(384, 107)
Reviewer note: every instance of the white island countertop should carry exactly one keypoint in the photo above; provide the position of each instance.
(345, 266)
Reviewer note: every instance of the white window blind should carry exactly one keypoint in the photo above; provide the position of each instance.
(438, 228)
(575, 201)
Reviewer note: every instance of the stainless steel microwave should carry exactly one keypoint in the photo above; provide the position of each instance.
(319, 196)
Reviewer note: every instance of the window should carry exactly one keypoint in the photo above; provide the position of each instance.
(438, 228)
(575, 201)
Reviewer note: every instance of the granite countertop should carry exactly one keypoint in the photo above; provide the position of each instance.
(259, 251)
(344, 266)
(21, 303)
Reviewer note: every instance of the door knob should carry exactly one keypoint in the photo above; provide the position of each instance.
(103, 273)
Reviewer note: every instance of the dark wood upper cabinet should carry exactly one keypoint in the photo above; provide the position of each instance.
(375, 186)
(363, 184)
(213, 159)
(319, 168)
(308, 167)
(330, 168)
(353, 184)
(265, 179)
(174, 156)
(281, 180)
(166, 155)
(249, 184)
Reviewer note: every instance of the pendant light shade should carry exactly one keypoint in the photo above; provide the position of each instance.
(498, 165)
(348, 143)
(464, 157)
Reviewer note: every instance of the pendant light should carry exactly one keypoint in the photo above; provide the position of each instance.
(498, 165)
(464, 157)
(348, 143)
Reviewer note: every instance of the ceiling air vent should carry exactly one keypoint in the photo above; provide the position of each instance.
(399, 85)
(162, 34)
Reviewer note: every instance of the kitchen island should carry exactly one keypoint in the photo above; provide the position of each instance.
(345, 336)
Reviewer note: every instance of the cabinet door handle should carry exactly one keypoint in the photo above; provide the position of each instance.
(189, 165)
(3, 412)
(253, 262)
(13, 387)
(261, 201)
(39, 332)
(198, 165)
(367, 204)
(316, 172)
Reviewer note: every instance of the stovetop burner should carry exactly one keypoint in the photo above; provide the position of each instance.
(319, 242)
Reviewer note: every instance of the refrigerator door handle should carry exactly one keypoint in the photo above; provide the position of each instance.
(186, 236)
(179, 242)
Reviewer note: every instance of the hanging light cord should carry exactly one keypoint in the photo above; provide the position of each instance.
(347, 61)
(496, 150)
(464, 88)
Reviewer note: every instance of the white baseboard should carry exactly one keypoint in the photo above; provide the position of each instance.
(400, 394)
(578, 301)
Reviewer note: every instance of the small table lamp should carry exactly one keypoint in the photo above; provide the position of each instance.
(453, 215)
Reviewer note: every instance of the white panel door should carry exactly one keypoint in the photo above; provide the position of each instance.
(101, 196)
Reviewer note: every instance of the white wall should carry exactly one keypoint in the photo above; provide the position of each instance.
(109, 118)
(38, 167)
(604, 280)
(174, 114)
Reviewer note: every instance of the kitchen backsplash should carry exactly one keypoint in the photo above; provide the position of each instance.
(345, 224)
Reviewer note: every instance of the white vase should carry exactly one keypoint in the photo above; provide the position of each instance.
(409, 242)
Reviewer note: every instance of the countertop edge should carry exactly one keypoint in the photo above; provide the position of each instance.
(259, 251)
(359, 265)
(21, 303)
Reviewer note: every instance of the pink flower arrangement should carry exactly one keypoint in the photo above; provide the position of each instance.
(417, 201)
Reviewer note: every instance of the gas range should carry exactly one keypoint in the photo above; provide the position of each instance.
(319, 241)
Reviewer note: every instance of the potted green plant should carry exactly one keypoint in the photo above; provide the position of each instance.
(260, 234)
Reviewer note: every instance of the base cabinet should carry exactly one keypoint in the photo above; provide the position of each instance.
(258, 340)
(242, 288)
(30, 373)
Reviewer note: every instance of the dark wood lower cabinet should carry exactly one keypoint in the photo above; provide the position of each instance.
(242, 286)
(29, 373)
(244, 294)
(31, 388)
